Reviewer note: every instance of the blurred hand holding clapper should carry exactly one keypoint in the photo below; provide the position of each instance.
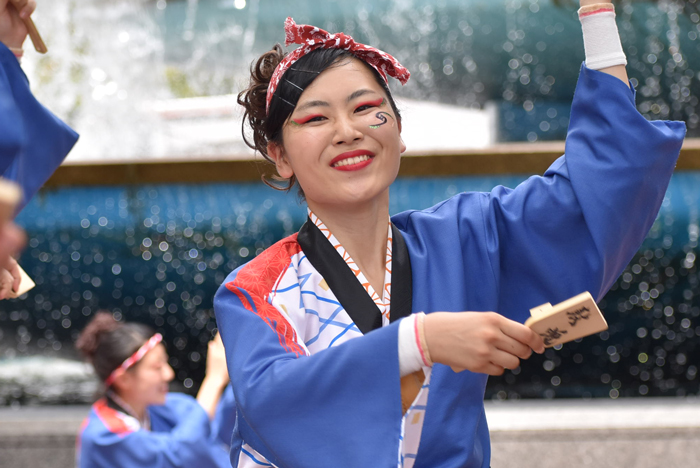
(10, 194)
(567, 321)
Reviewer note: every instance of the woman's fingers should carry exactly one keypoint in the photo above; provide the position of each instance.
(492, 369)
(5, 284)
(12, 240)
(14, 271)
(19, 4)
(24, 7)
(522, 334)
(514, 347)
(504, 360)
(27, 9)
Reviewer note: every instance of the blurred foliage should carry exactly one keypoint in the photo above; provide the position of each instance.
(178, 83)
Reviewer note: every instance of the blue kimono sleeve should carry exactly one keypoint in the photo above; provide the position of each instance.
(225, 417)
(185, 445)
(33, 141)
(578, 226)
(340, 407)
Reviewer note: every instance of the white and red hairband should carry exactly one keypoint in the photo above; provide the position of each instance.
(314, 38)
(134, 358)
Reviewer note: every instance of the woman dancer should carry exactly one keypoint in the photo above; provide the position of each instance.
(365, 341)
(138, 423)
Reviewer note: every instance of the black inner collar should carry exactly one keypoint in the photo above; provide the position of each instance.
(348, 290)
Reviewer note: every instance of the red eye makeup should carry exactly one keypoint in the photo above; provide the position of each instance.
(303, 120)
(375, 103)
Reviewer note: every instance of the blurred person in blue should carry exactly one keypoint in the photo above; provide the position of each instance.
(33, 142)
(366, 340)
(138, 422)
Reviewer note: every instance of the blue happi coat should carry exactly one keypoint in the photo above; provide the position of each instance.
(312, 391)
(181, 436)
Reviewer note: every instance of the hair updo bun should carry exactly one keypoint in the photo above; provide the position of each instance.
(107, 343)
(89, 338)
(267, 128)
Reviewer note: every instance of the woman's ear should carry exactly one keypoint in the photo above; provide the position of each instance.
(123, 382)
(403, 145)
(276, 152)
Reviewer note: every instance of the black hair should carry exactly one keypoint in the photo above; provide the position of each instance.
(107, 343)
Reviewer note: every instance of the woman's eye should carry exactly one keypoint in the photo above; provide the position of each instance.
(368, 105)
(309, 118)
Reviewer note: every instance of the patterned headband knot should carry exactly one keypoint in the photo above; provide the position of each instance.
(134, 358)
(312, 38)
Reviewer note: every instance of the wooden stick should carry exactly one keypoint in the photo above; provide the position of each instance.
(33, 32)
(35, 36)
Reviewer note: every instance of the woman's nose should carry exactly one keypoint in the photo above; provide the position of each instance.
(346, 131)
(168, 373)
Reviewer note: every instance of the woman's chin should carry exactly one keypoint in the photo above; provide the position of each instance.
(160, 398)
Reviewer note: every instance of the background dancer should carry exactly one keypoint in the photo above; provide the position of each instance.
(138, 423)
(332, 360)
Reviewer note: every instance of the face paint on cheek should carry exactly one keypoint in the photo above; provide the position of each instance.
(382, 116)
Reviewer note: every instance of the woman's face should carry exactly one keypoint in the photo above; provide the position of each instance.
(147, 382)
(343, 140)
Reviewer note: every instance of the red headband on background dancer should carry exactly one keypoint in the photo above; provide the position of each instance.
(314, 38)
(134, 358)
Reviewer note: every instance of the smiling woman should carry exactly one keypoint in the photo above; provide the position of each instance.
(338, 344)
(331, 143)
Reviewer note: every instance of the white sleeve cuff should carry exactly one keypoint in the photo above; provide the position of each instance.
(410, 359)
(601, 39)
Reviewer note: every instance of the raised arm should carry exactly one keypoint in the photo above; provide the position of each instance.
(601, 38)
(216, 378)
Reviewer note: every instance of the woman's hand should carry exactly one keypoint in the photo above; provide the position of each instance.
(13, 32)
(482, 342)
(216, 378)
(216, 361)
(11, 241)
(9, 278)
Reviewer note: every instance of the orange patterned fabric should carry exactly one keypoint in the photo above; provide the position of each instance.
(383, 302)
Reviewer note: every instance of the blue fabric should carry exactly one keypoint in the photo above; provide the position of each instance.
(33, 142)
(180, 437)
(554, 236)
(224, 418)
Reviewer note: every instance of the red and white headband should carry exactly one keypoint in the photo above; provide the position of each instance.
(313, 38)
(134, 358)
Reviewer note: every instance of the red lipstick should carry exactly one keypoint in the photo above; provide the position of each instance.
(352, 166)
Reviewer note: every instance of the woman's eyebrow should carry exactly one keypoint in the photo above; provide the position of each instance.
(309, 104)
(360, 92)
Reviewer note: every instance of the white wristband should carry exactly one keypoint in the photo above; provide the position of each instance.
(410, 359)
(601, 39)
